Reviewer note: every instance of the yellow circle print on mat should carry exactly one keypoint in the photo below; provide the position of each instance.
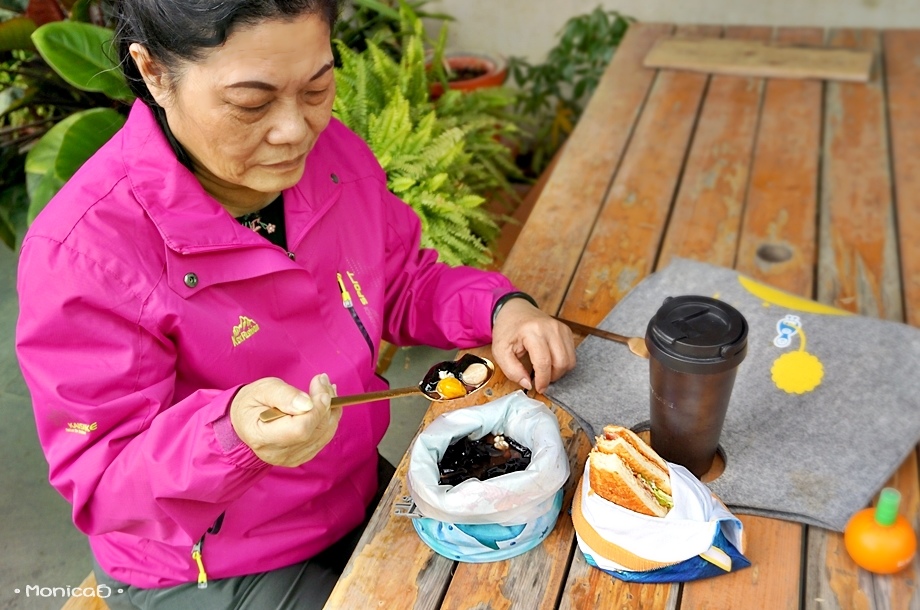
(795, 372)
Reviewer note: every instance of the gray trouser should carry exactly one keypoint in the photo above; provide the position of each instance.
(304, 586)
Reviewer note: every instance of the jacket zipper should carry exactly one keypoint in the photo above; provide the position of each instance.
(197, 552)
(199, 561)
(349, 305)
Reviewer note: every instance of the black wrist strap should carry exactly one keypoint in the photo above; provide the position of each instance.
(507, 297)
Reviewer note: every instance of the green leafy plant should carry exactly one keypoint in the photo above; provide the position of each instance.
(61, 97)
(440, 157)
(554, 92)
(380, 22)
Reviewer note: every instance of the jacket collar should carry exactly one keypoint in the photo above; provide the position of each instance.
(187, 217)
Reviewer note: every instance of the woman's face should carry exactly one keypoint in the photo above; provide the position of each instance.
(252, 109)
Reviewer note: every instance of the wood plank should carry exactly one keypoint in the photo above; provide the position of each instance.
(779, 221)
(901, 52)
(755, 58)
(902, 57)
(589, 588)
(549, 246)
(710, 208)
(86, 603)
(778, 233)
(857, 271)
(707, 212)
(621, 252)
(625, 241)
(858, 260)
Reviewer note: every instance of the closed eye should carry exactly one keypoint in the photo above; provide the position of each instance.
(314, 95)
(254, 109)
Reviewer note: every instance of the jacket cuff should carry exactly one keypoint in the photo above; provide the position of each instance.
(226, 434)
(231, 445)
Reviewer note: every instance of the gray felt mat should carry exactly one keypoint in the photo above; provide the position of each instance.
(815, 450)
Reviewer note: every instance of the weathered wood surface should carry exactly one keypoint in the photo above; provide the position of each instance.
(543, 257)
(626, 237)
(706, 226)
(902, 76)
(86, 603)
(550, 244)
(706, 216)
(777, 246)
(760, 59)
(858, 263)
(609, 267)
(811, 186)
(778, 232)
(560, 219)
(901, 51)
(858, 271)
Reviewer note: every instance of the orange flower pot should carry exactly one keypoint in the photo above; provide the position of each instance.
(473, 71)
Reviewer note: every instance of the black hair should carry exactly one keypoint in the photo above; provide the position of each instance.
(174, 31)
(183, 30)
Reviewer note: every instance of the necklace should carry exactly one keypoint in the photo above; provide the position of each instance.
(254, 221)
(268, 222)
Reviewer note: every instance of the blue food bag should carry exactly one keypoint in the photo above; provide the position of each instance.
(479, 521)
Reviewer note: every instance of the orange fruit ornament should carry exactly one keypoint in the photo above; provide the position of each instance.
(881, 540)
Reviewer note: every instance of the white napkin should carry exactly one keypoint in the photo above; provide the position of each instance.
(686, 531)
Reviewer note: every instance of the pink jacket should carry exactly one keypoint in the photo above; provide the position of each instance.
(145, 306)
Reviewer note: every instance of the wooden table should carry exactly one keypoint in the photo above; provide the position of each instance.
(811, 186)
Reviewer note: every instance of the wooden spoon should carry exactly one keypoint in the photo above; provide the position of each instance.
(427, 387)
(636, 344)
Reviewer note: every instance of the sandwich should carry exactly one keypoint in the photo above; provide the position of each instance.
(626, 471)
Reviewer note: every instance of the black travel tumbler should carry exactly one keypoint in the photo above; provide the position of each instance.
(695, 345)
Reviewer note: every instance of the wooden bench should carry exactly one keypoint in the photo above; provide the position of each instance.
(86, 603)
(811, 186)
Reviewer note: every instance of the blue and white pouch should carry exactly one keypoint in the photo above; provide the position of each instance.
(480, 521)
(698, 538)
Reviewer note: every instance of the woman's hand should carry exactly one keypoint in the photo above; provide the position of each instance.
(288, 441)
(522, 328)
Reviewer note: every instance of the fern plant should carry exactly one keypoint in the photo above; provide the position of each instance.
(442, 158)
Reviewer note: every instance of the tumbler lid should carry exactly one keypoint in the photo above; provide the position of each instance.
(696, 334)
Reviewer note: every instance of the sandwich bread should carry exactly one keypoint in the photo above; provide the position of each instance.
(626, 471)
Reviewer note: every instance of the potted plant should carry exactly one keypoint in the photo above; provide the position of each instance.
(467, 71)
(379, 21)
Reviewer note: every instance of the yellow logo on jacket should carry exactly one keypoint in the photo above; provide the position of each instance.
(78, 428)
(245, 329)
(357, 287)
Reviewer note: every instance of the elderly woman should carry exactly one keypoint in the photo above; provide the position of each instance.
(235, 248)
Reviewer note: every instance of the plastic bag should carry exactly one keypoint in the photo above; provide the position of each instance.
(698, 538)
(489, 520)
(513, 498)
